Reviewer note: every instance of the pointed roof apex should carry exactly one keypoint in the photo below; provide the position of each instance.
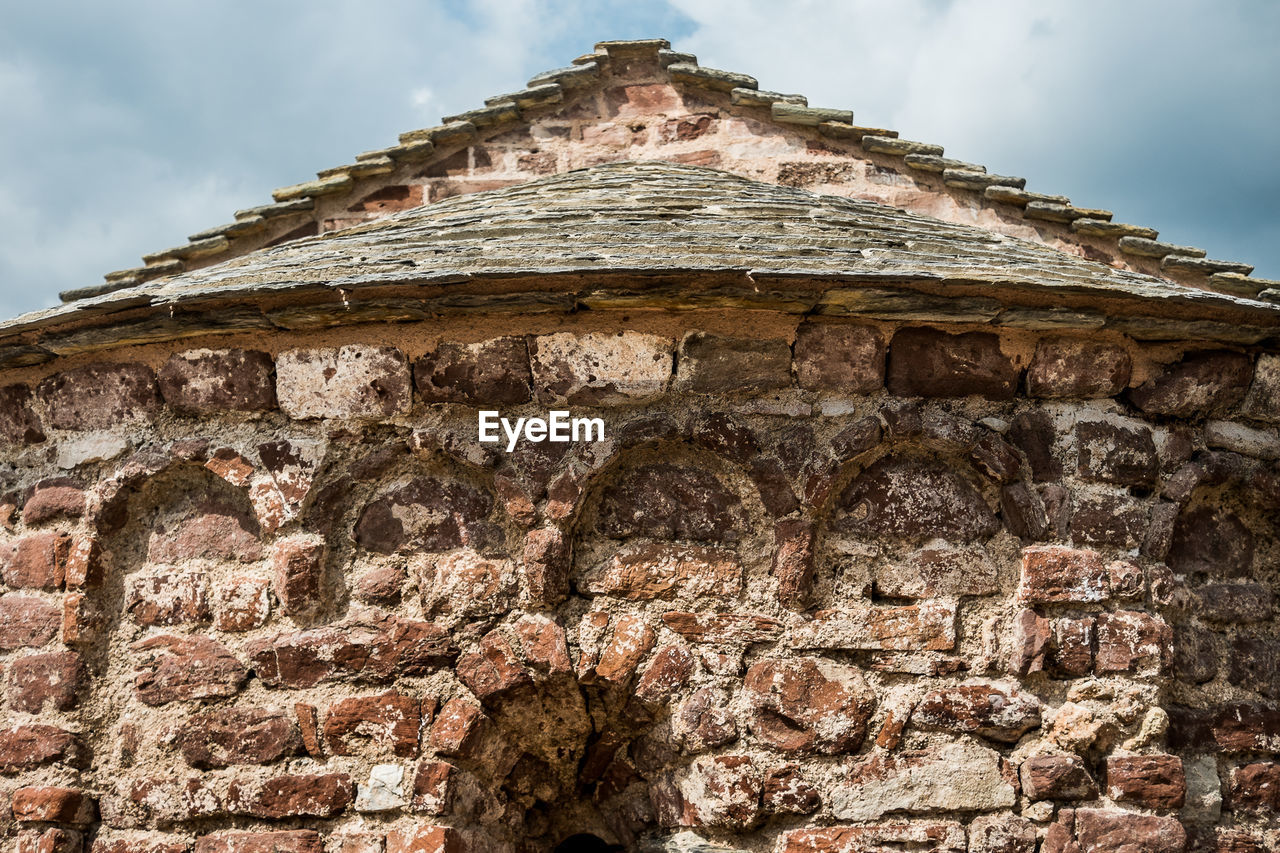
(639, 99)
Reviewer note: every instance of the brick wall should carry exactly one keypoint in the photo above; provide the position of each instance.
(840, 587)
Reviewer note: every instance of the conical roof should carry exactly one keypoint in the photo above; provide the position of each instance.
(645, 234)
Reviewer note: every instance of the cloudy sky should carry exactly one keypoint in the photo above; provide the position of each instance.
(126, 126)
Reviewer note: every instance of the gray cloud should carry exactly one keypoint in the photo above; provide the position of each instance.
(130, 125)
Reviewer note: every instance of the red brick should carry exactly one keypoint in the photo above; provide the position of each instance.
(390, 199)
(667, 570)
(228, 736)
(60, 497)
(793, 561)
(26, 622)
(839, 357)
(207, 529)
(922, 837)
(84, 564)
(667, 672)
(1154, 781)
(1105, 831)
(989, 710)
(370, 647)
(298, 563)
(1123, 453)
(172, 668)
(458, 729)
(99, 395)
(426, 838)
(493, 672)
(1133, 641)
(28, 747)
(140, 843)
(807, 705)
(1072, 654)
(38, 561)
(284, 841)
(242, 603)
(321, 795)
(168, 598)
(376, 725)
(916, 499)
(544, 645)
(54, 805)
(1032, 637)
(434, 788)
(1053, 574)
(785, 791)
(1256, 787)
(930, 626)
(206, 380)
(465, 584)
(1057, 777)
(632, 639)
(546, 566)
(52, 679)
(1001, 834)
(704, 720)
(53, 840)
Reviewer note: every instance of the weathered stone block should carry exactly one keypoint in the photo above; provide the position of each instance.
(1133, 641)
(242, 603)
(53, 679)
(1235, 602)
(19, 424)
(26, 621)
(494, 671)
(1057, 777)
(374, 725)
(599, 368)
(1202, 383)
(836, 357)
(99, 395)
(427, 513)
(465, 584)
(1213, 541)
(1099, 830)
(1118, 521)
(953, 777)
(54, 805)
(494, 372)
(229, 736)
(662, 500)
(992, 711)
(173, 668)
(939, 572)
(38, 561)
(1069, 367)
(929, 626)
(426, 838)
(1154, 781)
(354, 381)
(710, 364)
(722, 791)
(167, 598)
(806, 705)
(1117, 452)
(1001, 834)
(793, 565)
(907, 498)
(931, 363)
(925, 837)
(704, 720)
(1262, 402)
(207, 381)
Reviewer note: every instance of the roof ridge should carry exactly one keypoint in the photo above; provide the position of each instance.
(1006, 194)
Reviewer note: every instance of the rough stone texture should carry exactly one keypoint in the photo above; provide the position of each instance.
(709, 364)
(1065, 367)
(807, 705)
(1263, 400)
(841, 358)
(956, 777)
(798, 599)
(353, 381)
(201, 381)
(1202, 383)
(930, 363)
(98, 396)
(599, 368)
(988, 710)
(486, 373)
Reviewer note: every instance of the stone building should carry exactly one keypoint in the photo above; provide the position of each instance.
(931, 513)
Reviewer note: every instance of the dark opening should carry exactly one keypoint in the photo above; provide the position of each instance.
(585, 842)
